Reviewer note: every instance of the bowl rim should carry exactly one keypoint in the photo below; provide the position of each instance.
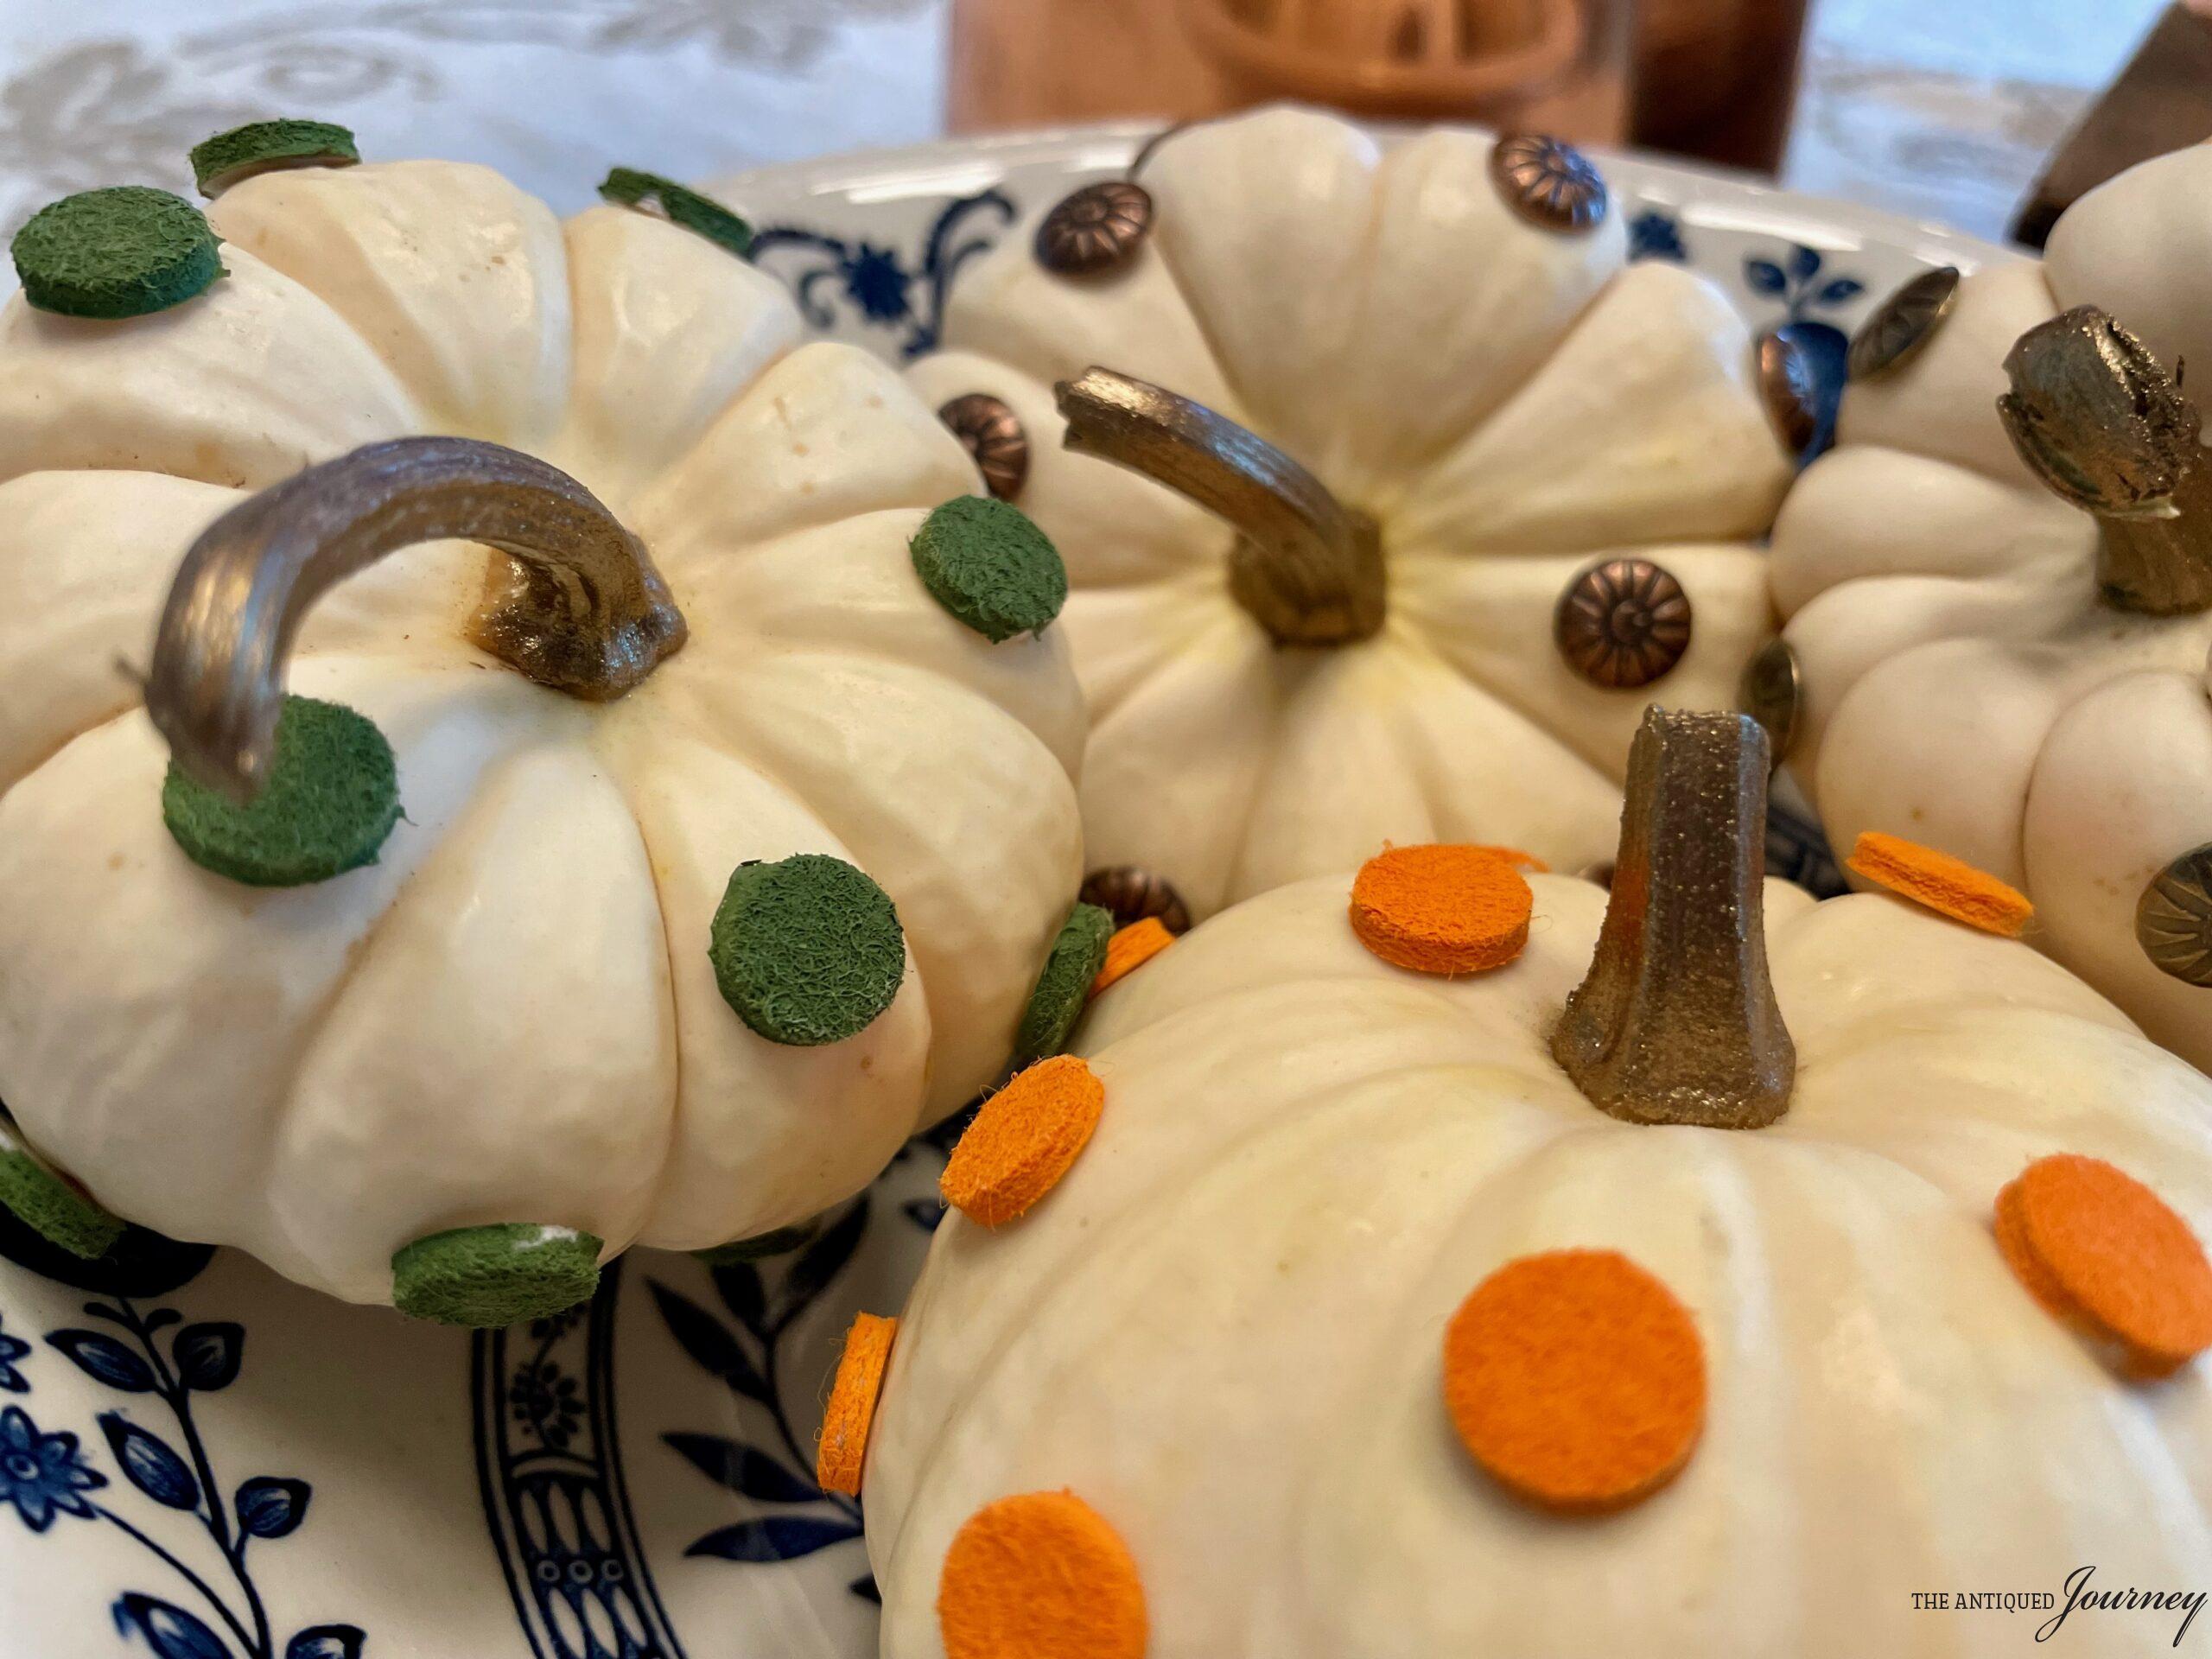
(965, 163)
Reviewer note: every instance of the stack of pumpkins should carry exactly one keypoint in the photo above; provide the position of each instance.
(1428, 1254)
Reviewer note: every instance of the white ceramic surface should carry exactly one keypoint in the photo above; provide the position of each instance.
(201, 1461)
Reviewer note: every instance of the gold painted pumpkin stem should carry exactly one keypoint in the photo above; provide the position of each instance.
(1308, 568)
(2099, 420)
(579, 607)
(1677, 1022)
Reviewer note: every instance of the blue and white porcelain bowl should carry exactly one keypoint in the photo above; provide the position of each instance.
(201, 1461)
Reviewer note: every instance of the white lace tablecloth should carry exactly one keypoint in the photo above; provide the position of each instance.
(550, 92)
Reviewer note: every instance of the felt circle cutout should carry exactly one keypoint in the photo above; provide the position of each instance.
(2105, 1254)
(1129, 948)
(1063, 985)
(1026, 1138)
(53, 1209)
(1040, 1574)
(1576, 1379)
(266, 146)
(842, 1452)
(331, 798)
(123, 251)
(627, 187)
(1442, 909)
(988, 565)
(495, 1275)
(1950, 886)
(807, 949)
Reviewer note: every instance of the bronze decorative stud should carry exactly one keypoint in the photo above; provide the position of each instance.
(1096, 229)
(2173, 920)
(1130, 893)
(1623, 624)
(1789, 389)
(1548, 182)
(1904, 323)
(1771, 691)
(991, 433)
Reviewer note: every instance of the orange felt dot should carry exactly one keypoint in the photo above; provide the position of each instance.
(1041, 1576)
(842, 1448)
(1027, 1136)
(1576, 1379)
(1516, 857)
(2104, 1253)
(1129, 948)
(1441, 909)
(1948, 886)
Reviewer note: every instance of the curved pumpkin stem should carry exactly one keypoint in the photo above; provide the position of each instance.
(2099, 420)
(1307, 567)
(580, 607)
(1677, 1022)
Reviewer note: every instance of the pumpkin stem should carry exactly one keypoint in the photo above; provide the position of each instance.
(2099, 420)
(1308, 568)
(578, 608)
(1677, 1022)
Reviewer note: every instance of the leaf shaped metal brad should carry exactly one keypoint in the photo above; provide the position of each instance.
(2099, 420)
(1904, 323)
(2173, 920)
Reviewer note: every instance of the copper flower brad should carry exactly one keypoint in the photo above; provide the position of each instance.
(1902, 323)
(2173, 921)
(1548, 182)
(1130, 893)
(1623, 624)
(1096, 229)
(992, 435)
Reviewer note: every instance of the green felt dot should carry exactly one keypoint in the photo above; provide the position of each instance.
(332, 797)
(264, 146)
(781, 1242)
(494, 1275)
(987, 563)
(53, 1209)
(684, 205)
(118, 252)
(807, 949)
(1063, 986)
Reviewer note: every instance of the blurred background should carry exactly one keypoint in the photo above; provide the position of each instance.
(1948, 109)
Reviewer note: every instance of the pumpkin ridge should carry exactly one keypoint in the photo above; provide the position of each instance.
(1061, 1284)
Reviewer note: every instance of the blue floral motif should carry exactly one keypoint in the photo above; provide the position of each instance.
(1794, 281)
(1655, 235)
(744, 1350)
(11, 1349)
(875, 281)
(42, 1474)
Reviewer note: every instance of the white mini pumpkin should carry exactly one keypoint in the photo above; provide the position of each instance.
(1222, 1330)
(1968, 678)
(510, 1017)
(1448, 335)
